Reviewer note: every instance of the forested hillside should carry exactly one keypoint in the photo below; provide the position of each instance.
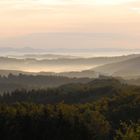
(70, 93)
(28, 82)
(103, 109)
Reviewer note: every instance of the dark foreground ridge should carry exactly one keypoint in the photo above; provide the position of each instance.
(104, 109)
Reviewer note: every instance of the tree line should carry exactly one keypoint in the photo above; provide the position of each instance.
(26, 115)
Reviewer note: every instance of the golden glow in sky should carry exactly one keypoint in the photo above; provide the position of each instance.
(102, 2)
(21, 17)
(61, 2)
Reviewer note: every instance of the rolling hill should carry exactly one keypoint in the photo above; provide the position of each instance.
(28, 82)
(75, 92)
(127, 68)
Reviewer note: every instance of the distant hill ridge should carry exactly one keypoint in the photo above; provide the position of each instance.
(130, 67)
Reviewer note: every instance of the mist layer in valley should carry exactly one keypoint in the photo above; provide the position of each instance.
(42, 71)
(71, 66)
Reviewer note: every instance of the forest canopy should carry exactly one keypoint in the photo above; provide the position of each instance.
(103, 109)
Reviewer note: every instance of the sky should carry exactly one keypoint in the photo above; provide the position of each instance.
(108, 23)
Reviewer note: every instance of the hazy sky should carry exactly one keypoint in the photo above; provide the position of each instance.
(117, 19)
